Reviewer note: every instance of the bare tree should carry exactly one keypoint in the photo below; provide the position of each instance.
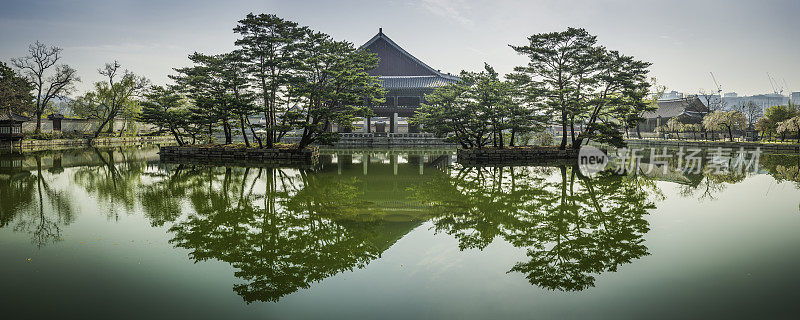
(714, 102)
(37, 66)
(751, 111)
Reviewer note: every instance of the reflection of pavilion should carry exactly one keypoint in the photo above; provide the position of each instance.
(386, 178)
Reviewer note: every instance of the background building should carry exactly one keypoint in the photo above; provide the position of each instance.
(689, 110)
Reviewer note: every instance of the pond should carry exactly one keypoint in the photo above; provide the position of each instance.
(398, 234)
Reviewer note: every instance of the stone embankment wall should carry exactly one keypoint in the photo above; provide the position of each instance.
(369, 140)
(57, 144)
(220, 155)
(521, 155)
(83, 125)
(772, 147)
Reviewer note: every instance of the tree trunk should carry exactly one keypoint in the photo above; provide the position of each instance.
(572, 129)
(730, 134)
(100, 129)
(563, 145)
(244, 132)
(226, 127)
(269, 133)
(110, 125)
(177, 137)
(38, 121)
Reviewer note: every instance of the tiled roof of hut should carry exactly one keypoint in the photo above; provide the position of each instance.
(7, 116)
(691, 106)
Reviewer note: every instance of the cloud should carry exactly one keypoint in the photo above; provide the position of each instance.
(450, 9)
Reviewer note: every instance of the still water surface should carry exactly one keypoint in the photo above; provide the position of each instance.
(115, 233)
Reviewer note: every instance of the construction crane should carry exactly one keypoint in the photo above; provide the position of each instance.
(718, 86)
(786, 87)
(776, 87)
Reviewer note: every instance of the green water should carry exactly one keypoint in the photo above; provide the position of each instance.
(115, 233)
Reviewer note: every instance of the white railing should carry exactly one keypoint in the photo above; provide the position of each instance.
(356, 135)
(412, 135)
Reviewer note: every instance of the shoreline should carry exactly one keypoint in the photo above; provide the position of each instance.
(777, 147)
(66, 144)
(210, 154)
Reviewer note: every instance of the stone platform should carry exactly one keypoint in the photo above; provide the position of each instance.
(518, 155)
(227, 155)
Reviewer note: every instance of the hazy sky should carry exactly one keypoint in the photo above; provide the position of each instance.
(740, 41)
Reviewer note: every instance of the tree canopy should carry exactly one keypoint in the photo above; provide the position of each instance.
(583, 83)
(479, 110)
(294, 78)
(117, 96)
(15, 91)
(727, 121)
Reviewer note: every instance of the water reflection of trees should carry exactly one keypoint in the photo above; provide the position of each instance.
(31, 205)
(783, 168)
(284, 229)
(572, 227)
(281, 229)
(114, 179)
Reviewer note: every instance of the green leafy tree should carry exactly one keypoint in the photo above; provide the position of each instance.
(773, 116)
(586, 83)
(443, 115)
(167, 109)
(270, 46)
(675, 126)
(554, 59)
(725, 121)
(112, 98)
(15, 91)
(242, 100)
(791, 125)
(479, 110)
(639, 103)
(204, 84)
(332, 87)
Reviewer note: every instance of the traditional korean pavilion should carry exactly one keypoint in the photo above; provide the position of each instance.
(688, 110)
(11, 125)
(406, 78)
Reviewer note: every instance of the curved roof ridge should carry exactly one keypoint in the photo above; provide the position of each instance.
(383, 36)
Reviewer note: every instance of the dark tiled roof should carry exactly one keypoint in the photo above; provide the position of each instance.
(7, 116)
(413, 82)
(691, 106)
(392, 44)
(409, 72)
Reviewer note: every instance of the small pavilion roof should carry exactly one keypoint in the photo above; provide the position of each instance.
(691, 106)
(7, 116)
